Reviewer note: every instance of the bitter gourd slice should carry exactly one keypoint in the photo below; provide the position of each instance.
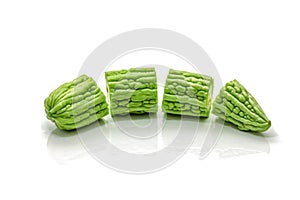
(187, 93)
(76, 104)
(236, 105)
(132, 91)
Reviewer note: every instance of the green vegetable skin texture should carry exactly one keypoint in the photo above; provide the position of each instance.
(187, 93)
(236, 105)
(76, 104)
(132, 91)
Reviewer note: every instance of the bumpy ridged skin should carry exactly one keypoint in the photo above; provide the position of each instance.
(236, 105)
(76, 104)
(187, 93)
(132, 91)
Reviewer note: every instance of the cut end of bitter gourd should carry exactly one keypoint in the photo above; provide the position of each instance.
(132, 91)
(236, 105)
(76, 104)
(187, 93)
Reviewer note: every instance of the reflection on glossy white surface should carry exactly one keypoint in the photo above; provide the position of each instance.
(65, 146)
(237, 143)
(138, 134)
(233, 142)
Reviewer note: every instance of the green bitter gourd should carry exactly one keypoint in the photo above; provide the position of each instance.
(132, 91)
(236, 105)
(187, 93)
(76, 104)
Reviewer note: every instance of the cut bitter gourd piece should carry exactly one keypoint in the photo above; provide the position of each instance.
(76, 104)
(132, 91)
(236, 105)
(187, 93)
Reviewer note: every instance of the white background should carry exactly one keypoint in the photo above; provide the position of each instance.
(43, 44)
